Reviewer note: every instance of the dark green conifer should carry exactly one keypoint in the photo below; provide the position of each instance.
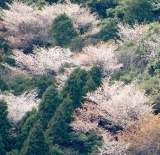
(2, 150)
(25, 126)
(43, 82)
(137, 10)
(63, 31)
(58, 127)
(4, 126)
(35, 143)
(50, 102)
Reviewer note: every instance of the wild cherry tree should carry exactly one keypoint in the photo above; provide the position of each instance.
(27, 24)
(53, 60)
(102, 55)
(42, 60)
(121, 103)
(109, 110)
(142, 35)
(19, 105)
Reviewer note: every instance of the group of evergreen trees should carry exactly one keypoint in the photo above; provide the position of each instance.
(47, 130)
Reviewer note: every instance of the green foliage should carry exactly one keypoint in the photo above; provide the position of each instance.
(98, 6)
(9, 61)
(42, 82)
(93, 80)
(13, 152)
(4, 47)
(119, 74)
(138, 10)
(131, 55)
(154, 66)
(76, 44)
(20, 84)
(77, 85)
(152, 86)
(156, 102)
(63, 31)
(134, 11)
(133, 58)
(51, 1)
(50, 102)
(55, 150)
(58, 127)
(3, 3)
(3, 85)
(125, 75)
(38, 3)
(151, 70)
(74, 85)
(2, 150)
(35, 143)
(109, 30)
(4, 127)
(85, 143)
(80, 82)
(25, 126)
(29, 49)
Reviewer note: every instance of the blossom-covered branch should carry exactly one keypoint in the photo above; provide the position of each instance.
(19, 105)
(121, 103)
(43, 60)
(102, 55)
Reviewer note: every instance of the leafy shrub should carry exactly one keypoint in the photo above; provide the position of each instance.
(20, 84)
(109, 30)
(10, 61)
(152, 85)
(76, 44)
(4, 47)
(29, 49)
(85, 143)
(156, 102)
(3, 85)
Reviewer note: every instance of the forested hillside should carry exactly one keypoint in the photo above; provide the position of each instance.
(79, 77)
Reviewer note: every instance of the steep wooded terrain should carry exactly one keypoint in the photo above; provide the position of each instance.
(79, 77)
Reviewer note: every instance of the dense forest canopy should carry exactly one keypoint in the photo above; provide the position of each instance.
(79, 77)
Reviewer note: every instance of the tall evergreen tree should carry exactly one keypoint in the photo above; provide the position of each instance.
(74, 85)
(93, 79)
(49, 104)
(25, 126)
(58, 127)
(2, 150)
(63, 31)
(4, 126)
(43, 82)
(35, 143)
